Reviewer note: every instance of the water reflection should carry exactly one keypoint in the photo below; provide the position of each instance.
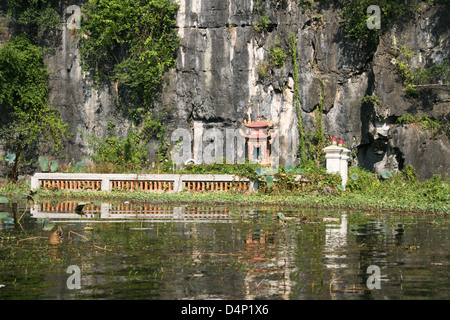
(335, 241)
(196, 252)
(124, 211)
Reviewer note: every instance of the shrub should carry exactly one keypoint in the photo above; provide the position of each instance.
(132, 43)
(263, 23)
(410, 174)
(361, 180)
(277, 54)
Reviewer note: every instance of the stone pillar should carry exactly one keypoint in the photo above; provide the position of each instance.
(106, 184)
(178, 183)
(332, 154)
(34, 181)
(337, 161)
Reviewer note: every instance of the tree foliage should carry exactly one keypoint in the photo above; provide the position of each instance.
(132, 151)
(34, 13)
(129, 42)
(413, 76)
(355, 16)
(28, 122)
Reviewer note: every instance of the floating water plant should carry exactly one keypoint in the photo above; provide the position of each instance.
(47, 226)
(281, 216)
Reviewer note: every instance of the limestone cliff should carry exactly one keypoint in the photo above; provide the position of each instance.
(218, 81)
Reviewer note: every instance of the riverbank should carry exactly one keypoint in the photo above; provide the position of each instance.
(431, 196)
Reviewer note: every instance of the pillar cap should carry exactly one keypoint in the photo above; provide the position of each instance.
(335, 149)
(332, 148)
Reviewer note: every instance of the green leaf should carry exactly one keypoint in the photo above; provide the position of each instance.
(300, 170)
(354, 177)
(4, 215)
(289, 168)
(3, 199)
(341, 188)
(43, 162)
(269, 180)
(259, 171)
(386, 175)
(47, 225)
(281, 216)
(53, 166)
(10, 157)
(79, 166)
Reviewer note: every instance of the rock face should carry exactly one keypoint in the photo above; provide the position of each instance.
(86, 109)
(218, 82)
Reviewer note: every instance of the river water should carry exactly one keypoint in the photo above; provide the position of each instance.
(145, 251)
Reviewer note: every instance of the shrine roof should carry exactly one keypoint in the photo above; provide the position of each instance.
(257, 124)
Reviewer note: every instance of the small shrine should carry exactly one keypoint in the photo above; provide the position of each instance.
(337, 157)
(258, 141)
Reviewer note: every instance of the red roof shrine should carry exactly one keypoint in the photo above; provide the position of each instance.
(258, 141)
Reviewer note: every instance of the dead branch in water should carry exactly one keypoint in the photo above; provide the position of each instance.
(31, 238)
(98, 247)
(70, 231)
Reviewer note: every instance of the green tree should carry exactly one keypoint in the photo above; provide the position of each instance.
(354, 13)
(131, 43)
(28, 122)
(36, 14)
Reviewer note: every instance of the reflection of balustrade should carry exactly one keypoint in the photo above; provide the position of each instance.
(127, 210)
(134, 182)
(67, 207)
